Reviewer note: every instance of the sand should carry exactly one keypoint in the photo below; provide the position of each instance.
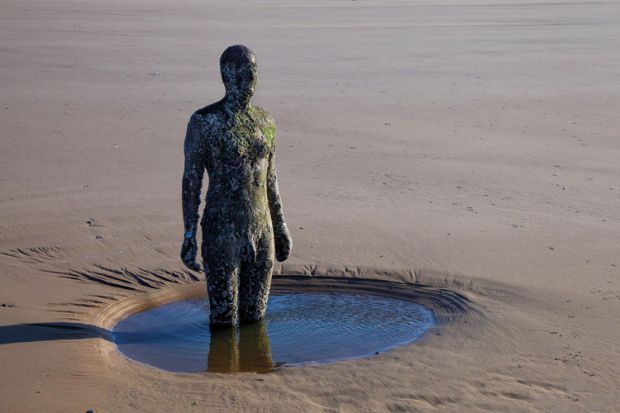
(466, 145)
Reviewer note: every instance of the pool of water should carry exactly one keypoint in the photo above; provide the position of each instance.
(299, 328)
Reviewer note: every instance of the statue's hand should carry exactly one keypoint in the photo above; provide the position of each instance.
(283, 243)
(188, 253)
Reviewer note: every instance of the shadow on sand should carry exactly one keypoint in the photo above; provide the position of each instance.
(27, 333)
(231, 350)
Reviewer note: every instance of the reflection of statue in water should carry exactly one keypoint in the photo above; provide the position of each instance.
(235, 142)
(246, 350)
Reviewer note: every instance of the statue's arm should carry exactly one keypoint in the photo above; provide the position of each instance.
(282, 237)
(192, 184)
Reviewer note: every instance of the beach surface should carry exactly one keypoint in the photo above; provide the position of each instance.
(471, 146)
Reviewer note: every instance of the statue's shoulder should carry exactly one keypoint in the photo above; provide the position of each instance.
(261, 116)
(265, 122)
(209, 117)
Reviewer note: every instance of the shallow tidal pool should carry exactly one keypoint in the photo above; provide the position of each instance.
(300, 328)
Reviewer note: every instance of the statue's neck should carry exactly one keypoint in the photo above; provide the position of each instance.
(232, 103)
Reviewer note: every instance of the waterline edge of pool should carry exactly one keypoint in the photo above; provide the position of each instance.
(445, 305)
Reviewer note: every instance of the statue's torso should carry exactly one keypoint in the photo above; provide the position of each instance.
(237, 152)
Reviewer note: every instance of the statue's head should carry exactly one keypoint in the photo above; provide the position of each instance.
(238, 67)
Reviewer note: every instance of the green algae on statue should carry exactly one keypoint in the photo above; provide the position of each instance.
(243, 224)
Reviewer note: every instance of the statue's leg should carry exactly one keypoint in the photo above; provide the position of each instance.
(222, 272)
(255, 281)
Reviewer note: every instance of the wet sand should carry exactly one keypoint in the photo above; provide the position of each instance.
(464, 145)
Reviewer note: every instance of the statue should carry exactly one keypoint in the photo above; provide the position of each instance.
(243, 223)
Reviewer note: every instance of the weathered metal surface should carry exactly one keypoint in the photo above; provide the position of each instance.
(243, 225)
